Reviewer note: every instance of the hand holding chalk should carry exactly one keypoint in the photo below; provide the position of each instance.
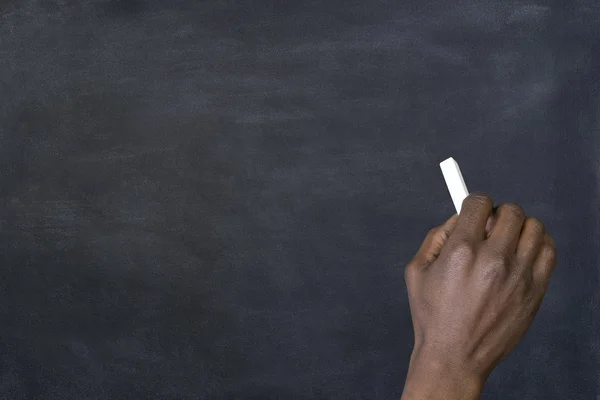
(455, 182)
(473, 295)
(458, 189)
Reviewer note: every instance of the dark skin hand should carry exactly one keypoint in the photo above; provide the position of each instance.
(474, 288)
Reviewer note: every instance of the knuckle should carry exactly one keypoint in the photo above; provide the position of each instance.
(549, 252)
(444, 234)
(432, 231)
(463, 246)
(499, 262)
(461, 251)
(495, 270)
(480, 199)
(514, 210)
(537, 226)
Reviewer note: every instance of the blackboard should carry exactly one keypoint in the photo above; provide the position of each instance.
(216, 199)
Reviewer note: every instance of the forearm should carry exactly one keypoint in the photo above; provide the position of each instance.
(429, 379)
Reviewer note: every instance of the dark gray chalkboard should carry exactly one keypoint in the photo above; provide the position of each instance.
(216, 199)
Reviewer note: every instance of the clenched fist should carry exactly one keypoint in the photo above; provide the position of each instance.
(474, 287)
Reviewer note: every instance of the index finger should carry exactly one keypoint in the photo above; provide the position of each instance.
(474, 214)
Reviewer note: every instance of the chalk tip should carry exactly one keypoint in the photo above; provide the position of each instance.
(448, 160)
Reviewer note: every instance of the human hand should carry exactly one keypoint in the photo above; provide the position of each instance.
(474, 288)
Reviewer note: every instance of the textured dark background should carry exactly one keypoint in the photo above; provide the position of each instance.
(216, 199)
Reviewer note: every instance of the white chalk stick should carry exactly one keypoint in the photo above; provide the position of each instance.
(455, 182)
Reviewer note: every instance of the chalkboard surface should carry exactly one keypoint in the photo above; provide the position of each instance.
(216, 199)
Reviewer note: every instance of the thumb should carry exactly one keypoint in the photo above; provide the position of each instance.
(434, 242)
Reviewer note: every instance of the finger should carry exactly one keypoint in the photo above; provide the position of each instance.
(435, 240)
(475, 211)
(530, 242)
(504, 237)
(545, 262)
(491, 221)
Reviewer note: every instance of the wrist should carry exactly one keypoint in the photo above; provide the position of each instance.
(431, 378)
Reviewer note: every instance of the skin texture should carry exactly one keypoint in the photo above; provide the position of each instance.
(474, 288)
